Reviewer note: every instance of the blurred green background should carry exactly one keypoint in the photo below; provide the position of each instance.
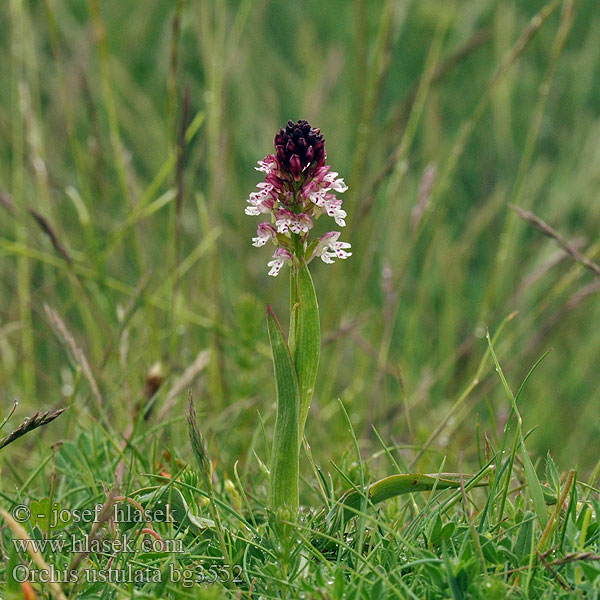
(160, 267)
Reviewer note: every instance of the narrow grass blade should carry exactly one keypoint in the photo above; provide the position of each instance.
(533, 483)
(308, 341)
(452, 580)
(286, 448)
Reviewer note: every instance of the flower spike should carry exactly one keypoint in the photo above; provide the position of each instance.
(298, 188)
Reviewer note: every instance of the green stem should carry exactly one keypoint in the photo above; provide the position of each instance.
(307, 346)
(293, 308)
(296, 366)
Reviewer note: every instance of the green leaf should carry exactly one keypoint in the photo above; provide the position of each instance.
(589, 571)
(396, 485)
(164, 504)
(435, 530)
(48, 515)
(535, 487)
(285, 452)
(522, 546)
(12, 586)
(307, 341)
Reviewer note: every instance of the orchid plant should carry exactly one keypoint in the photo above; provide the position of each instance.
(299, 187)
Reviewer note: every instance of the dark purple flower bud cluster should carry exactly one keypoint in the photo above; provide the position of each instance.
(298, 188)
(299, 148)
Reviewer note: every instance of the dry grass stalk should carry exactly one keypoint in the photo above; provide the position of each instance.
(184, 382)
(552, 233)
(78, 355)
(19, 532)
(425, 188)
(45, 226)
(105, 514)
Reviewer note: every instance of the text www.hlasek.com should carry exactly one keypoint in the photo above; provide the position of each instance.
(75, 544)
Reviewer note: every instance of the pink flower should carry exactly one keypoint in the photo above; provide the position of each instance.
(264, 233)
(267, 165)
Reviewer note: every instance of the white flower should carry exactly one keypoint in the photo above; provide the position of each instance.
(339, 185)
(302, 224)
(329, 248)
(281, 257)
(339, 215)
(317, 197)
(323, 181)
(252, 209)
(333, 207)
(261, 201)
(284, 220)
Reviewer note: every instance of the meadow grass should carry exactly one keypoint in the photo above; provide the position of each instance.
(457, 338)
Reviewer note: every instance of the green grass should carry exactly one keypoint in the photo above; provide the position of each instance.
(120, 251)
